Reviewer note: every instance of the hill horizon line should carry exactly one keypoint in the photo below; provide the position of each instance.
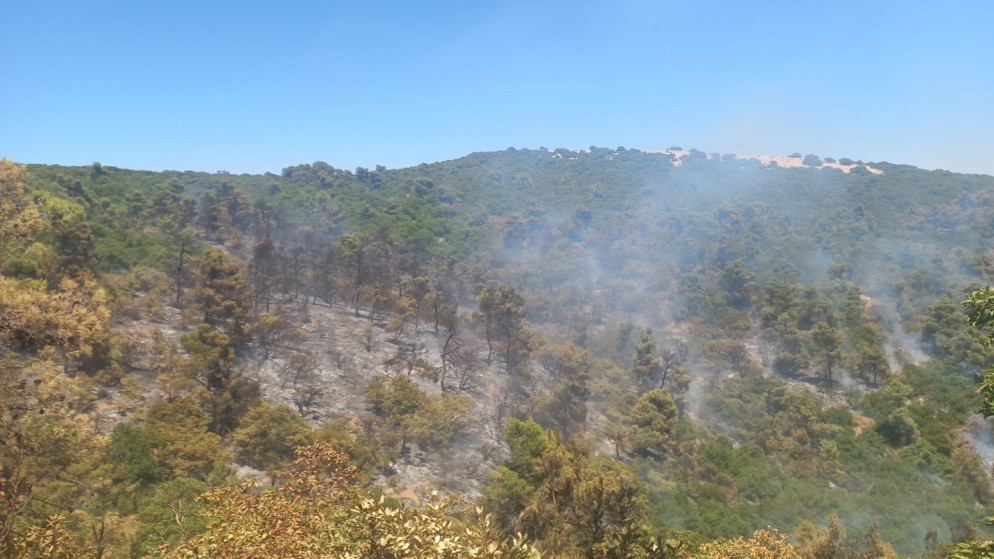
(678, 155)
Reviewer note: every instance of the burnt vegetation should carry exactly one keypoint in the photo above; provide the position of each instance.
(610, 352)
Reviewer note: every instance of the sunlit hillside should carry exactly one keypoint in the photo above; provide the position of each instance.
(602, 352)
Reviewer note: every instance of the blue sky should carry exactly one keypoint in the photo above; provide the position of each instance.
(254, 87)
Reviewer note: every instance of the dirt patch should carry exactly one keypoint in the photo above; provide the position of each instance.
(409, 495)
(861, 423)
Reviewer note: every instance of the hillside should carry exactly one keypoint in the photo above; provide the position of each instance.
(733, 341)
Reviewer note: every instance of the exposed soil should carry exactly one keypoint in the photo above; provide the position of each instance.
(767, 160)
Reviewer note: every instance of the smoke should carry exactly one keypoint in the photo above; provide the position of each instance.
(623, 236)
(979, 435)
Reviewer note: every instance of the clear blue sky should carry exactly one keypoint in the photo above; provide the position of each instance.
(256, 86)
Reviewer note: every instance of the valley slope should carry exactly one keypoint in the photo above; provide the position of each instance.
(747, 344)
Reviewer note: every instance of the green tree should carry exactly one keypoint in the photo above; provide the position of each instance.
(183, 243)
(270, 331)
(780, 298)
(737, 281)
(488, 303)
(226, 211)
(352, 249)
(72, 237)
(899, 428)
(440, 418)
(871, 362)
(584, 505)
(979, 306)
(652, 422)
(20, 219)
(502, 312)
(647, 367)
(171, 208)
(396, 400)
(444, 305)
(175, 213)
(189, 449)
(980, 311)
(227, 394)
(419, 291)
(170, 515)
(792, 358)
(133, 449)
(221, 292)
(566, 406)
(264, 273)
(526, 442)
(268, 435)
(506, 495)
(828, 343)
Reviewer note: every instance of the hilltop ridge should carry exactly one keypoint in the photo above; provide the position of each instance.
(788, 161)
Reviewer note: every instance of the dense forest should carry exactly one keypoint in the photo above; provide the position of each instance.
(527, 353)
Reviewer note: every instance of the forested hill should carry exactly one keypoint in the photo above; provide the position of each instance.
(616, 201)
(591, 215)
(605, 349)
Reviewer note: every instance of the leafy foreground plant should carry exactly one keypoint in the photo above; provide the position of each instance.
(317, 511)
(980, 309)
